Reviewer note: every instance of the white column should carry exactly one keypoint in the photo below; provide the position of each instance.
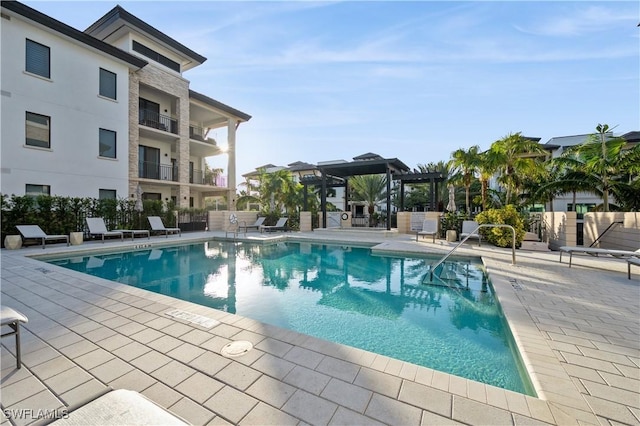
(231, 163)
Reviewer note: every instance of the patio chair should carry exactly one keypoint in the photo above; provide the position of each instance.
(158, 226)
(470, 229)
(595, 251)
(281, 225)
(97, 227)
(34, 232)
(12, 319)
(120, 407)
(256, 225)
(429, 227)
(632, 261)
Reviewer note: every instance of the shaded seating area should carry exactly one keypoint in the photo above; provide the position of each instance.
(470, 229)
(158, 226)
(11, 318)
(594, 251)
(98, 228)
(34, 232)
(281, 225)
(429, 228)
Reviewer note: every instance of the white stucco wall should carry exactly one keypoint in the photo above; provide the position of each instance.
(70, 97)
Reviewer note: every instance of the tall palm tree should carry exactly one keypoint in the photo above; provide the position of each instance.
(466, 163)
(370, 189)
(487, 168)
(601, 166)
(516, 156)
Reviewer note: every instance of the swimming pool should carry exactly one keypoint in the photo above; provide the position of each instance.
(344, 294)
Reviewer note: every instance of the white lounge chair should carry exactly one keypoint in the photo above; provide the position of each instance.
(97, 227)
(595, 251)
(158, 226)
(281, 225)
(429, 227)
(34, 232)
(256, 225)
(120, 407)
(632, 261)
(12, 319)
(470, 229)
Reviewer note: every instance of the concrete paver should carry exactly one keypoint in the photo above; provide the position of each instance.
(577, 329)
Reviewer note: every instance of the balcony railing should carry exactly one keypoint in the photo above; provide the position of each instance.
(198, 134)
(150, 170)
(157, 121)
(199, 177)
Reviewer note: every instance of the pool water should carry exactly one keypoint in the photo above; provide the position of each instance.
(343, 294)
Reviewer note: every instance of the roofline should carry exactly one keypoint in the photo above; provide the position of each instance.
(216, 104)
(64, 29)
(119, 13)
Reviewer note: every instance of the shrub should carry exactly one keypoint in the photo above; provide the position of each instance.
(502, 237)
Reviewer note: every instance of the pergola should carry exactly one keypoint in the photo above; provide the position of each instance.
(336, 174)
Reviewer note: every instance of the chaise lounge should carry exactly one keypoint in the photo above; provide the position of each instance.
(470, 229)
(595, 251)
(281, 225)
(98, 228)
(158, 226)
(34, 232)
(256, 225)
(429, 227)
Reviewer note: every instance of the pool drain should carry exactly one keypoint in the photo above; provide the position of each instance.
(237, 348)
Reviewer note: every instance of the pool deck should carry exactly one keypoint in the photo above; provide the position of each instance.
(578, 330)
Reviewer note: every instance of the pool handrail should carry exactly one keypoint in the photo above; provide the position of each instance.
(433, 266)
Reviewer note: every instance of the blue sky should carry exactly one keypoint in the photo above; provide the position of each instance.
(411, 80)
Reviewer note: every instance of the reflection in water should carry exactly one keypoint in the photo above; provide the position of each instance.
(344, 294)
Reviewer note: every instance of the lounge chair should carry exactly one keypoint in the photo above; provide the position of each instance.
(158, 226)
(34, 232)
(256, 225)
(595, 251)
(470, 229)
(281, 225)
(429, 227)
(632, 261)
(97, 227)
(120, 407)
(12, 319)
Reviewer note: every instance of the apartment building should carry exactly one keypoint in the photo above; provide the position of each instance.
(99, 112)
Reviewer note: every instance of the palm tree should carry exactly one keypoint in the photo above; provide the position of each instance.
(601, 166)
(516, 156)
(466, 164)
(369, 188)
(278, 192)
(447, 172)
(487, 167)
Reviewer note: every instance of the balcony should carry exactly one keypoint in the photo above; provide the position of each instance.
(158, 121)
(151, 170)
(199, 178)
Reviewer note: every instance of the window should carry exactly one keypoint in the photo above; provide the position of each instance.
(107, 143)
(108, 84)
(38, 130)
(106, 194)
(37, 59)
(581, 209)
(35, 190)
(152, 54)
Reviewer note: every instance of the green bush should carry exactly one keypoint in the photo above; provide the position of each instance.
(502, 237)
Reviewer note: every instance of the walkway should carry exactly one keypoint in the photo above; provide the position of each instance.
(578, 330)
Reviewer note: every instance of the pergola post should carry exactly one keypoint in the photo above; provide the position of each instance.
(388, 198)
(323, 199)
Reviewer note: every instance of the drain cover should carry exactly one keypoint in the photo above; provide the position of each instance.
(237, 348)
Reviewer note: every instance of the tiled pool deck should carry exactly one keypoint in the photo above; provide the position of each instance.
(578, 330)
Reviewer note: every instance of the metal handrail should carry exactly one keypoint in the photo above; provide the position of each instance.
(432, 267)
(605, 231)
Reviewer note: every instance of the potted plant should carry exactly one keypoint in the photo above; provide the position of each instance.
(450, 225)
